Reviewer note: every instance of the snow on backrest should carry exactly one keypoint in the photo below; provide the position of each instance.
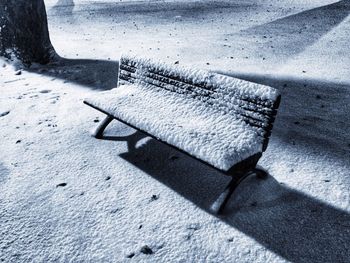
(255, 104)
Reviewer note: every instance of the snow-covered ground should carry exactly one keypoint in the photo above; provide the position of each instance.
(67, 197)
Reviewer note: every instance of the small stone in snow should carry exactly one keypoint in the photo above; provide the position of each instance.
(107, 178)
(18, 72)
(61, 185)
(230, 239)
(140, 226)
(327, 181)
(160, 246)
(146, 250)
(45, 91)
(131, 255)
(154, 197)
(188, 236)
(96, 120)
(176, 62)
(2, 114)
(18, 141)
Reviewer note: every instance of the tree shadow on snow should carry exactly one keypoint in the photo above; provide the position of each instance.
(95, 74)
(164, 10)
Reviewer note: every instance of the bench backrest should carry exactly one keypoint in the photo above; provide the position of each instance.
(255, 104)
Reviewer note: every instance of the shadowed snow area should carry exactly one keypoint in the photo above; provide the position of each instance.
(66, 196)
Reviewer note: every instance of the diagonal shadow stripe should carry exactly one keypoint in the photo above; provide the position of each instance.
(286, 37)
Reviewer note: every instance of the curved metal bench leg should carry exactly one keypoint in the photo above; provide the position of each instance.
(98, 133)
(218, 206)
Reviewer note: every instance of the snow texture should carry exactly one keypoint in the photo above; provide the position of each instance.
(209, 131)
(107, 212)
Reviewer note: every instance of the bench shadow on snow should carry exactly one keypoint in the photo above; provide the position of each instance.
(292, 224)
(95, 74)
(295, 226)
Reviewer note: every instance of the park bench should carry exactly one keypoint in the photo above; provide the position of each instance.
(222, 121)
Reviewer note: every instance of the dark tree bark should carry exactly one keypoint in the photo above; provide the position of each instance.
(24, 31)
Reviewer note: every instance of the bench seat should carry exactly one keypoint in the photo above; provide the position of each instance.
(219, 120)
(213, 136)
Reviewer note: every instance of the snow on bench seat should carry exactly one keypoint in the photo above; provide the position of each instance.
(215, 118)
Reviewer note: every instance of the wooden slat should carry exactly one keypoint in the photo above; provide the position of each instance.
(237, 106)
(247, 105)
(184, 88)
(132, 67)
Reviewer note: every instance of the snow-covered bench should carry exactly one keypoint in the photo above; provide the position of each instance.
(222, 121)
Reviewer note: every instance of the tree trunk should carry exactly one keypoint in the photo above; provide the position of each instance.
(24, 31)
